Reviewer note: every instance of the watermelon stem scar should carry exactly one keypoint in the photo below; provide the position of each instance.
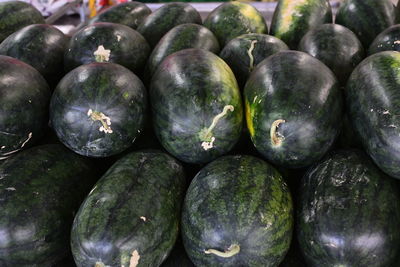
(276, 138)
(102, 54)
(230, 252)
(7, 154)
(250, 53)
(206, 135)
(105, 121)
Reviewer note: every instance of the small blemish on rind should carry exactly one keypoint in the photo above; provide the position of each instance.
(134, 259)
(276, 139)
(11, 189)
(102, 54)
(208, 145)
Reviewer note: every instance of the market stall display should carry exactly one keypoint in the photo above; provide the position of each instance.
(178, 134)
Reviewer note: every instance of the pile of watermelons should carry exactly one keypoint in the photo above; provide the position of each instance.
(158, 139)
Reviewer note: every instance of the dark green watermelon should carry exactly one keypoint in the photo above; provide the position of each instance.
(293, 19)
(293, 109)
(131, 14)
(181, 37)
(40, 45)
(15, 15)
(237, 212)
(97, 110)
(230, 20)
(366, 18)
(131, 216)
(373, 103)
(245, 52)
(388, 40)
(40, 189)
(196, 104)
(336, 46)
(24, 101)
(349, 213)
(162, 20)
(107, 42)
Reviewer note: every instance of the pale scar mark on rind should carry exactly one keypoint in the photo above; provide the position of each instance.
(5, 155)
(102, 54)
(134, 259)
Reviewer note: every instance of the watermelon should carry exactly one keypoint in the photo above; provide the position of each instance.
(24, 100)
(366, 18)
(196, 106)
(131, 14)
(373, 108)
(107, 42)
(336, 46)
(388, 40)
(15, 15)
(162, 20)
(230, 20)
(349, 213)
(293, 109)
(237, 212)
(131, 216)
(40, 188)
(246, 51)
(181, 37)
(293, 19)
(40, 45)
(97, 110)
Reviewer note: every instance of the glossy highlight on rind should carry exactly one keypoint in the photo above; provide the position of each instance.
(232, 19)
(131, 216)
(41, 188)
(293, 19)
(119, 43)
(349, 213)
(40, 45)
(373, 103)
(237, 201)
(131, 14)
(336, 46)
(246, 51)
(162, 20)
(15, 15)
(24, 100)
(293, 108)
(366, 18)
(196, 106)
(98, 109)
(181, 37)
